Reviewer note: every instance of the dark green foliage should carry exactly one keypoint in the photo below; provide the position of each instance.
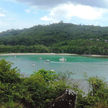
(9, 82)
(44, 87)
(50, 34)
(37, 90)
(82, 46)
(58, 38)
(97, 96)
(23, 49)
(7, 73)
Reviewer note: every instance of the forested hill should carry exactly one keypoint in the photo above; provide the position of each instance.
(58, 37)
(54, 33)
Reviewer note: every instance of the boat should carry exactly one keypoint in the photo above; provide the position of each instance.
(47, 60)
(33, 64)
(40, 58)
(52, 70)
(62, 59)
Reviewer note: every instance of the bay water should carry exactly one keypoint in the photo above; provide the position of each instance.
(80, 66)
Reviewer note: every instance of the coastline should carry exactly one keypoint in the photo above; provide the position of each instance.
(65, 54)
(98, 56)
(9, 54)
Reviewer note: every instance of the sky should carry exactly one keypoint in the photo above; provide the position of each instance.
(18, 14)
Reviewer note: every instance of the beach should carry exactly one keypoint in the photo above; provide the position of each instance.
(7, 54)
(64, 54)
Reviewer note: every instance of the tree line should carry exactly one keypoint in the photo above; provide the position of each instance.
(79, 46)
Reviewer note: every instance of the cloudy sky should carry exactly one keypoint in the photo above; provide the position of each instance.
(17, 14)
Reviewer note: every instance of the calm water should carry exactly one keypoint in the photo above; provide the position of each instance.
(80, 66)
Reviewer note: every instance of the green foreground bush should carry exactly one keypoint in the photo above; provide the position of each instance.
(34, 91)
(42, 87)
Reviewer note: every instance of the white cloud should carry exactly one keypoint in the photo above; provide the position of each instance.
(69, 10)
(2, 12)
(2, 15)
(31, 10)
(28, 11)
(50, 19)
(53, 3)
(45, 18)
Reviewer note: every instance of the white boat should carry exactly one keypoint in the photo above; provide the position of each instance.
(52, 70)
(33, 64)
(62, 59)
(40, 58)
(47, 60)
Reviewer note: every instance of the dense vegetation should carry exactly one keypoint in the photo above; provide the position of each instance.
(59, 38)
(35, 91)
(42, 87)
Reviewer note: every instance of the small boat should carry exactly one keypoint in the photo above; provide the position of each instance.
(62, 59)
(47, 60)
(40, 58)
(52, 70)
(33, 64)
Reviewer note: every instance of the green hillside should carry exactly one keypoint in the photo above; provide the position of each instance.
(58, 37)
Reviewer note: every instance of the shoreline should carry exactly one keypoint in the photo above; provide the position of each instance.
(9, 54)
(65, 54)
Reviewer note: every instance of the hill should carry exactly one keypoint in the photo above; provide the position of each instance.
(54, 33)
(58, 37)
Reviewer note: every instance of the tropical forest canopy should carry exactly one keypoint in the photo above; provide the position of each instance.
(58, 37)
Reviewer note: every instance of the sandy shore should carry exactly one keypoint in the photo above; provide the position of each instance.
(10, 54)
(96, 56)
(7, 54)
